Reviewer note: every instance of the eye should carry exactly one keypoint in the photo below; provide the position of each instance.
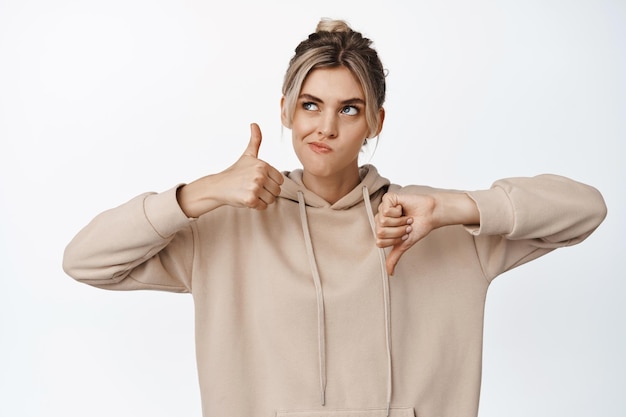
(350, 110)
(310, 106)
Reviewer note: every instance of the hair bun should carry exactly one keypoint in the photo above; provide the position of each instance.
(330, 25)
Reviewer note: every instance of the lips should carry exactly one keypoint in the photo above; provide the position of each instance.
(319, 147)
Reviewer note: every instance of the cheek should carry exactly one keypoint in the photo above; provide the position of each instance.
(298, 133)
(358, 132)
(301, 127)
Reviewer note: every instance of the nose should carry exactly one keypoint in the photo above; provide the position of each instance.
(328, 126)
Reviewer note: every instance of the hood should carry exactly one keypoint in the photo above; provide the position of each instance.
(369, 178)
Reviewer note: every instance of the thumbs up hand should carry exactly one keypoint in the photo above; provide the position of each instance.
(255, 183)
(249, 182)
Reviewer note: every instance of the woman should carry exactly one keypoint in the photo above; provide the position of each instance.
(295, 311)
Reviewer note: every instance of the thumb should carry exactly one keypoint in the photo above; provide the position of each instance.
(392, 259)
(255, 141)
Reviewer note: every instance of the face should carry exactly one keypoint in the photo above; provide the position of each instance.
(329, 124)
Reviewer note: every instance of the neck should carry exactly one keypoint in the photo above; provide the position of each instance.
(331, 189)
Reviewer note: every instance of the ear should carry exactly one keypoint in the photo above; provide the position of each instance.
(283, 114)
(381, 115)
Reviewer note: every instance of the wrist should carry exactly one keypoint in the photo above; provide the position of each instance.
(455, 208)
(193, 199)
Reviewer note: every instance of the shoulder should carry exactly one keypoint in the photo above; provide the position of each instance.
(417, 189)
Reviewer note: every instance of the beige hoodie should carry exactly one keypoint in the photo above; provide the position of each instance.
(295, 315)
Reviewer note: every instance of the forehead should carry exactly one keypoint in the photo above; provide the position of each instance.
(330, 84)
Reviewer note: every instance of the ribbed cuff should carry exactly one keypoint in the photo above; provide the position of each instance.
(164, 213)
(496, 212)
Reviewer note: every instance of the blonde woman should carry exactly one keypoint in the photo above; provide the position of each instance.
(296, 313)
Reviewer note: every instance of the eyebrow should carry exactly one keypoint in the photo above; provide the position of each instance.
(311, 97)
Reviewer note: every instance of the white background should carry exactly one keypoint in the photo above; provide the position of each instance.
(102, 100)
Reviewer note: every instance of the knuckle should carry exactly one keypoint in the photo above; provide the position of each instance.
(261, 167)
(258, 178)
(250, 201)
(255, 187)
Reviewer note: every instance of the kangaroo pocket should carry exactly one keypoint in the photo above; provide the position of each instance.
(382, 412)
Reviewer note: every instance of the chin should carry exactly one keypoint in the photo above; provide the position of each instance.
(318, 170)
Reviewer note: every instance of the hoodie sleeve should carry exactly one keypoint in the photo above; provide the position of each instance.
(146, 243)
(524, 218)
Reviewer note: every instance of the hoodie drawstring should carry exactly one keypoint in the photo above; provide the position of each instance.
(386, 296)
(321, 321)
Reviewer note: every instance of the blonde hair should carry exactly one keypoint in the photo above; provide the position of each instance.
(335, 44)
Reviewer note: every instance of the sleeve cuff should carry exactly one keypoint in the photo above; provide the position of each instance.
(164, 213)
(496, 212)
